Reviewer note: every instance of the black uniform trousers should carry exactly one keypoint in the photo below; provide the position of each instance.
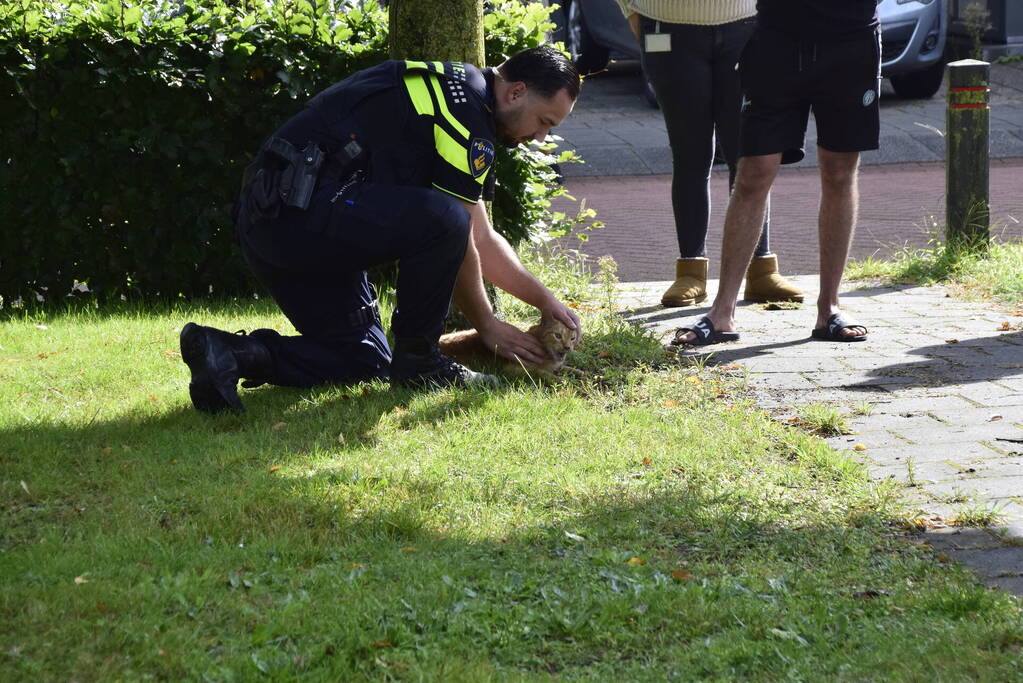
(314, 262)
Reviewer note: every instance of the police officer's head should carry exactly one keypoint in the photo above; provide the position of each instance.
(535, 90)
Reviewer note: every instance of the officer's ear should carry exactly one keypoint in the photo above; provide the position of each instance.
(516, 90)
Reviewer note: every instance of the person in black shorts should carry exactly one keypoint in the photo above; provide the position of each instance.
(822, 56)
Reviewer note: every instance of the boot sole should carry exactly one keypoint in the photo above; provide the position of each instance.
(206, 396)
(682, 303)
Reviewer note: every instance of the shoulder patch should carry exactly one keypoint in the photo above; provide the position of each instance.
(481, 156)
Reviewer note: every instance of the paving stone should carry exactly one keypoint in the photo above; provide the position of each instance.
(957, 471)
(775, 364)
(783, 381)
(979, 416)
(895, 422)
(960, 538)
(965, 454)
(990, 394)
(870, 441)
(1012, 585)
(1004, 562)
(977, 489)
(996, 431)
(912, 404)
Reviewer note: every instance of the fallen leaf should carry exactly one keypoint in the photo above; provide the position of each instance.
(275, 468)
(951, 341)
(25, 486)
(355, 565)
(869, 593)
(278, 426)
(1005, 326)
(42, 355)
(733, 366)
(604, 354)
(161, 652)
(80, 580)
(381, 643)
(107, 450)
(681, 575)
(409, 549)
(172, 354)
(668, 403)
(647, 461)
(153, 399)
(634, 561)
(794, 419)
(101, 607)
(859, 447)
(398, 410)
(694, 380)
(573, 304)
(994, 418)
(945, 559)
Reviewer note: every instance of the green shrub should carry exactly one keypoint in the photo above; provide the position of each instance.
(127, 125)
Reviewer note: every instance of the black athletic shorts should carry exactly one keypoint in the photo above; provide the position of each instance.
(785, 78)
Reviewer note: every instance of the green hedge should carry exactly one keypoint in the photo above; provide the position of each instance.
(126, 126)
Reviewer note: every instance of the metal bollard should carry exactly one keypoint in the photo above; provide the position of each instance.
(967, 190)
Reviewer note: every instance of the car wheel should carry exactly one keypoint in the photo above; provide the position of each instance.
(589, 57)
(920, 84)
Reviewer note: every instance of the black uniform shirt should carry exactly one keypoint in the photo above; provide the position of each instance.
(818, 18)
(427, 124)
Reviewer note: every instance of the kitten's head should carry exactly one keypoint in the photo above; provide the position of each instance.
(558, 339)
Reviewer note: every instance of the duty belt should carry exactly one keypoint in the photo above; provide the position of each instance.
(365, 315)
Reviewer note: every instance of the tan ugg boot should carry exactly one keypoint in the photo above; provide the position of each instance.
(764, 283)
(690, 286)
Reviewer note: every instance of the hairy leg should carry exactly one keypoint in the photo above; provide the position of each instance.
(836, 222)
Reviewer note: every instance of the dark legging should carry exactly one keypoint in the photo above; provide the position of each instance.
(697, 87)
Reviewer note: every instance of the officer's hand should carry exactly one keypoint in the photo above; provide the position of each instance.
(512, 343)
(565, 315)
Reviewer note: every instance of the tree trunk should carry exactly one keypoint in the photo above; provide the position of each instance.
(441, 30)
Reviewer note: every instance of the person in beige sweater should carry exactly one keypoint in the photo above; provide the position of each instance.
(690, 49)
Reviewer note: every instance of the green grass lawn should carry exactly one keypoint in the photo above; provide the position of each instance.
(645, 522)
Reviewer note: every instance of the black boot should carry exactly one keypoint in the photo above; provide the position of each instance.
(419, 363)
(218, 360)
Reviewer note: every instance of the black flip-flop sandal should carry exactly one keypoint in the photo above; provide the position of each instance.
(705, 332)
(833, 332)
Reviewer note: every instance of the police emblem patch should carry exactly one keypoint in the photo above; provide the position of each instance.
(481, 156)
(869, 97)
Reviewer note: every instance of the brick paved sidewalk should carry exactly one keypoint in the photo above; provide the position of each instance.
(897, 202)
(947, 418)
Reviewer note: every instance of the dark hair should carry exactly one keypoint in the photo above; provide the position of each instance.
(545, 70)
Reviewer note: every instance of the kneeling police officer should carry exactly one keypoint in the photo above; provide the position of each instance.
(387, 165)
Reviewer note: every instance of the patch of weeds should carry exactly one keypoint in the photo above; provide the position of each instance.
(977, 515)
(976, 270)
(822, 419)
(911, 473)
(863, 408)
(782, 305)
(957, 496)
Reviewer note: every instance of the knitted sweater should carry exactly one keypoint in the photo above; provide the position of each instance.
(705, 12)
